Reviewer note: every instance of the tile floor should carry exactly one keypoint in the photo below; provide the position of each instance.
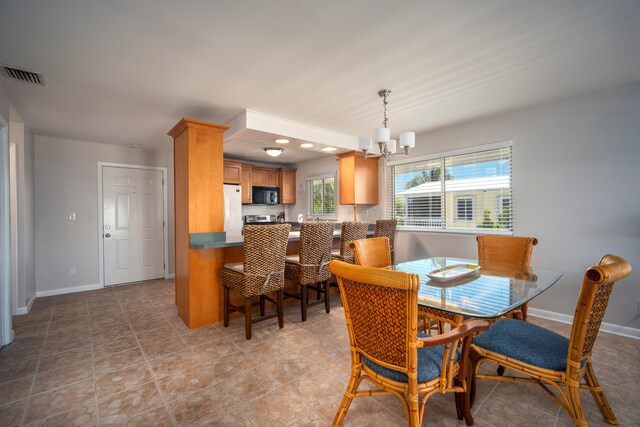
(121, 356)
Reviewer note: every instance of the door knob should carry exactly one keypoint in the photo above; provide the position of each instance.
(107, 235)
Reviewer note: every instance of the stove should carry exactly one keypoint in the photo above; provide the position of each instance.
(260, 219)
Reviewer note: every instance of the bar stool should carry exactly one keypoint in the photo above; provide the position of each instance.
(261, 272)
(350, 231)
(387, 228)
(309, 268)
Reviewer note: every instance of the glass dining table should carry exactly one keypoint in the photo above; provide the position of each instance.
(459, 286)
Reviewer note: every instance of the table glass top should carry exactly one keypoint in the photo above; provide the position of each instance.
(491, 291)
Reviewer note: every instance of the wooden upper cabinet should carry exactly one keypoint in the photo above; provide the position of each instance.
(287, 184)
(246, 183)
(232, 172)
(264, 177)
(358, 179)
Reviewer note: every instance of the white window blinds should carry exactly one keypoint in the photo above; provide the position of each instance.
(321, 195)
(464, 192)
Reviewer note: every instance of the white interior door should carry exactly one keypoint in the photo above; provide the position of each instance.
(133, 224)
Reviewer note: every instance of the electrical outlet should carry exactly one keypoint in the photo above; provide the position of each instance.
(72, 271)
(72, 216)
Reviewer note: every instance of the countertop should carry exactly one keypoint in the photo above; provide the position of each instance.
(221, 240)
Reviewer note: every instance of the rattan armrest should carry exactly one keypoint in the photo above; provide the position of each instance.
(470, 327)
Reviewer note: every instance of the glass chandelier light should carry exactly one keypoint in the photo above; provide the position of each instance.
(386, 145)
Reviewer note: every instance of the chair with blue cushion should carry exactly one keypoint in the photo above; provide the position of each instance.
(562, 366)
(381, 310)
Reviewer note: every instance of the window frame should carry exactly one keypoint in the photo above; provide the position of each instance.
(442, 155)
(308, 184)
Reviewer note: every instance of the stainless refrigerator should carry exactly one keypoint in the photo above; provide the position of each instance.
(232, 210)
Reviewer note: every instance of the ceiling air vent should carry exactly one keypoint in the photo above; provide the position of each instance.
(22, 75)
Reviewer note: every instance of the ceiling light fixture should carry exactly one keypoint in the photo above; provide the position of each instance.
(282, 141)
(386, 145)
(135, 145)
(328, 149)
(306, 145)
(274, 151)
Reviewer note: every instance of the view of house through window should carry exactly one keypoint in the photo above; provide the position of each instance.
(465, 192)
(322, 195)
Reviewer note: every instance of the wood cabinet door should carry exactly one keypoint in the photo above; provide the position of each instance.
(287, 185)
(270, 177)
(247, 183)
(257, 178)
(232, 172)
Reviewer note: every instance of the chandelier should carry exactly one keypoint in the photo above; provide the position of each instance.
(386, 145)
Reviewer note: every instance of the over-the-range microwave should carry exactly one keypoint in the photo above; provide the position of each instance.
(265, 195)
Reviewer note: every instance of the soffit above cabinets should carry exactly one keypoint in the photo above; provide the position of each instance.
(251, 132)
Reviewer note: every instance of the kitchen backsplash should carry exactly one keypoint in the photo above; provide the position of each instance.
(262, 210)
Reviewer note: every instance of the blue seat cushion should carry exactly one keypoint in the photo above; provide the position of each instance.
(527, 343)
(429, 364)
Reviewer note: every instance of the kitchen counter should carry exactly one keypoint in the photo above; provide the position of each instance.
(221, 240)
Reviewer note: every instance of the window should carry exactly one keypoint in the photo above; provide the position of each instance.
(321, 192)
(464, 208)
(463, 192)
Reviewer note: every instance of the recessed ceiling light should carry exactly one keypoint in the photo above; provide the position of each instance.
(135, 145)
(306, 145)
(328, 149)
(274, 151)
(282, 141)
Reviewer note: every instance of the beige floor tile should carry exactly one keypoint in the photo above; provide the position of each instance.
(172, 363)
(110, 333)
(150, 323)
(291, 366)
(78, 396)
(85, 415)
(278, 407)
(246, 385)
(227, 365)
(215, 349)
(122, 380)
(185, 382)
(318, 387)
(17, 368)
(154, 335)
(231, 418)
(60, 342)
(23, 348)
(115, 361)
(206, 404)
(67, 358)
(624, 405)
(55, 378)
(11, 413)
(11, 391)
(116, 345)
(202, 336)
(157, 417)
(313, 419)
(165, 347)
(120, 407)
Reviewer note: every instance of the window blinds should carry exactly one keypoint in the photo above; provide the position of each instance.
(464, 192)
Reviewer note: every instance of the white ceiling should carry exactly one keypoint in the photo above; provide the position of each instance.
(125, 71)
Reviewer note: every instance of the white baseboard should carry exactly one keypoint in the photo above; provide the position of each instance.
(71, 290)
(604, 326)
(170, 276)
(25, 310)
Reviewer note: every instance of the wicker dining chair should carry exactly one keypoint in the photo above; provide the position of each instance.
(261, 272)
(549, 359)
(387, 228)
(310, 267)
(511, 250)
(374, 252)
(381, 311)
(350, 230)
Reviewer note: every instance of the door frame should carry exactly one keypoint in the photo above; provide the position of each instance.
(101, 212)
(6, 330)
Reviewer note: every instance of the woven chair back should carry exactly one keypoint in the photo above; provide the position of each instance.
(592, 304)
(386, 228)
(316, 239)
(264, 251)
(351, 230)
(381, 310)
(505, 250)
(373, 252)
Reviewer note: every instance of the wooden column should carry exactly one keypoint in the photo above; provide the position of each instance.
(199, 208)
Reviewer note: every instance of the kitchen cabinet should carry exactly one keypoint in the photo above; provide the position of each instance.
(246, 183)
(232, 172)
(264, 177)
(358, 179)
(287, 184)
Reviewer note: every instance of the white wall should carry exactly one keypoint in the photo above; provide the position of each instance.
(575, 183)
(20, 135)
(323, 166)
(66, 181)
